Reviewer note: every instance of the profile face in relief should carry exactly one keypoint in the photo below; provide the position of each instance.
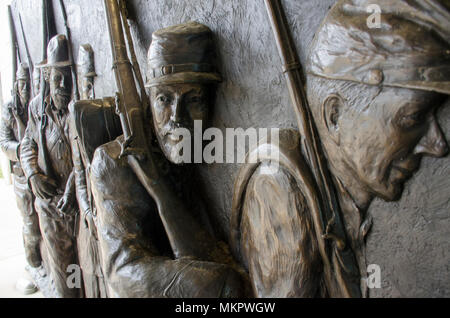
(393, 133)
(375, 92)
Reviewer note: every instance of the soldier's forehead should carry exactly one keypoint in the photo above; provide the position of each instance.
(178, 88)
(61, 70)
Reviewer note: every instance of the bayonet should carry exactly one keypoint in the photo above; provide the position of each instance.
(76, 94)
(30, 62)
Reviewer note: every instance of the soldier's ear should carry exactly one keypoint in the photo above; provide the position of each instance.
(331, 110)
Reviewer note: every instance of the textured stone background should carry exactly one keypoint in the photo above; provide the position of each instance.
(410, 238)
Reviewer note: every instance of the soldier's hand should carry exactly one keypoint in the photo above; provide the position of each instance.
(42, 186)
(66, 202)
(89, 223)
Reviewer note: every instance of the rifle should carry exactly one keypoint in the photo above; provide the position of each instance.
(48, 31)
(27, 51)
(327, 220)
(134, 62)
(14, 45)
(185, 235)
(15, 54)
(76, 94)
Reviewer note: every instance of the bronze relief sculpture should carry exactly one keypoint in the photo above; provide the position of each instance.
(115, 194)
(372, 94)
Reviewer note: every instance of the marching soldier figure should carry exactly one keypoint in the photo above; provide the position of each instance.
(12, 129)
(91, 112)
(46, 157)
(144, 254)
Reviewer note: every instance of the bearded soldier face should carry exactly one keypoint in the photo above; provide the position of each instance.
(177, 106)
(61, 86)
(23, 89)
(87, 88)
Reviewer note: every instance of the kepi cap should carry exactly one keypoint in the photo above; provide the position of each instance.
(410, 48)
(182, 53)
(85, 63)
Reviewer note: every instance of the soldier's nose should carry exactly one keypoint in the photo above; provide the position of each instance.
(176, 110)
(433, 143)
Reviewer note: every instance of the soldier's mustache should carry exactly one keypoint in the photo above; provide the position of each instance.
(169, 128)
(62, 93)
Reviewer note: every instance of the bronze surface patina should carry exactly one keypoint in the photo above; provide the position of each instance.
(106, 184)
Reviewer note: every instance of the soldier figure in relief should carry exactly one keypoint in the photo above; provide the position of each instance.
(12, 129)
(373, 94)
(46, 158)
(138, 249)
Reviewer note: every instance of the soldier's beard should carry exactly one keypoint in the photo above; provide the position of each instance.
(24, 99)
(61, 100)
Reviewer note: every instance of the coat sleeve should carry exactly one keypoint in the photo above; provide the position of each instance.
(132, 241)
(8, 142)
(29, 146)
(277, 236)
(79, 171)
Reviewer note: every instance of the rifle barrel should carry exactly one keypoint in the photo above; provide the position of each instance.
(76, 93)
(135, 64)
(291, 69)
(14, 46)
(30, 61)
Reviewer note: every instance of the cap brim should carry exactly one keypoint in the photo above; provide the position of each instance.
(41, 64)
(90, 74)
(185, 77)
(437, 87)
(57, 64)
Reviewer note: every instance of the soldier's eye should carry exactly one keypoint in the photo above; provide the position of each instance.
(195, 99)
(412, 120)
(163, 99)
